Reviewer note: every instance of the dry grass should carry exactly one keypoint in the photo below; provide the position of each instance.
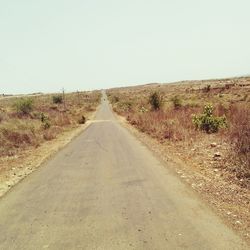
(45, 121)
(239, 137)
(173, 122)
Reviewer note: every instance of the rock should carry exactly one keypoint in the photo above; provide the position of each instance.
(213, 144)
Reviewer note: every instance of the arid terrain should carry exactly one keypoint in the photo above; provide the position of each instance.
(107, 190)
(33, 127)
(203, 129)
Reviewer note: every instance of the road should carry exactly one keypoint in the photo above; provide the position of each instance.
(105, 190)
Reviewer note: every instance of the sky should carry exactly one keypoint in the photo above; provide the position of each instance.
(48, 45)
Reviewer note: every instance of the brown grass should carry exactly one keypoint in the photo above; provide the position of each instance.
(173, 123)
(239, 136)
(20, 131)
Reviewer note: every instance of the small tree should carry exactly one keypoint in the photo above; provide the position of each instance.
(156, 101)
(207, 122)
(24, 105)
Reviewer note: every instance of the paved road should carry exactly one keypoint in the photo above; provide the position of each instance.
(107, 191)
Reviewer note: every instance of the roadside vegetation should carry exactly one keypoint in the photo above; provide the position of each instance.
(27, 122)
(209, 119)
(202, 130)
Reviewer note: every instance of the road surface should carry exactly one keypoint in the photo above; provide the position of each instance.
(106, 190)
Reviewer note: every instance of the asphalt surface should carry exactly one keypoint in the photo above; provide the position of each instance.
(106, 190)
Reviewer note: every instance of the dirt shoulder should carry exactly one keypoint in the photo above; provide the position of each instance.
(229, 200)
(14, 169)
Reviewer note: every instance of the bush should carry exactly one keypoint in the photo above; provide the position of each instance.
(24, 106)
(57, 99)
(156, 101)
(207, 88)
(82, 120)
(176, 102)
(115, 99)
(207, 122)
(45, 121)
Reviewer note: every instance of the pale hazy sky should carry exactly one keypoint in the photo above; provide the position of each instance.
(87, 44)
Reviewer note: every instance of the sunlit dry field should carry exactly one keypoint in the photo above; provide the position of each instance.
(173, 121)
(27, 122)
(203, 128)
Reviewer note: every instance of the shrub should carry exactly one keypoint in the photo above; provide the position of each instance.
(207, 88)
(176, 102)
(57, 99)
(156, 101)
(207, 122)
(115, 99)
(82, 120)
(24, 106)
(45, 121)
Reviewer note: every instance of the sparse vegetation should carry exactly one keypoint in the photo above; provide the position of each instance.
(24, 106)
(28, 122)
(176, 123)
(217, 165)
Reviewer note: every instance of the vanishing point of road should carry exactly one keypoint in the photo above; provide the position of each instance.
(105, 190)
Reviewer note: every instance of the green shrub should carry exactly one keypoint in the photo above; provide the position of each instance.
(156, 101)
(24, 105)
(207, 122)
(176, 102)
(57, 99)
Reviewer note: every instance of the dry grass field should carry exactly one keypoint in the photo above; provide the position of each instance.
(203, 125)
(28, 122)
